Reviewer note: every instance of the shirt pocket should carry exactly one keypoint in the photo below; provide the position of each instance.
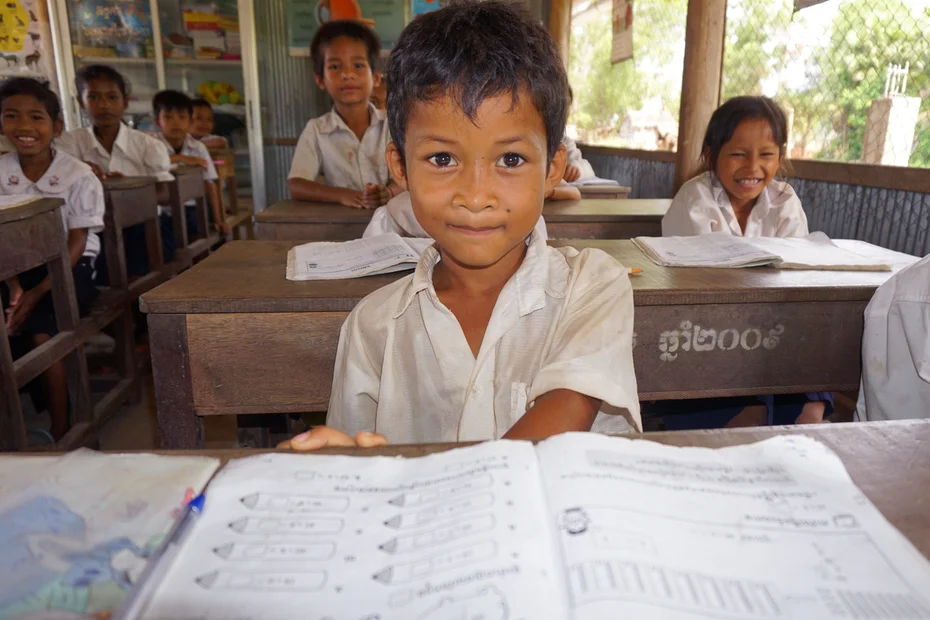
(518, 396)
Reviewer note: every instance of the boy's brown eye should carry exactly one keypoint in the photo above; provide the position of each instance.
(441, 159)
(511, 160)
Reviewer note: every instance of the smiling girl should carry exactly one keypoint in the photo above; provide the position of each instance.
(743, 149)
(31, 116)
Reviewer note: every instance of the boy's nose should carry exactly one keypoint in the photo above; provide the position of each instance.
(474, 191)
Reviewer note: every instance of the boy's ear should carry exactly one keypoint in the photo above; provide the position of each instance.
(319, 81)
(396, 165)
(376, 78)
(556, 168)
(57, 127)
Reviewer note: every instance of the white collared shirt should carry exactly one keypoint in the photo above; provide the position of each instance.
(192, 147)
(564, 320)
(896, 348)
(134, 153)
(397, 217)
(69, 179)
(329, 148)
(702, 206)
(575, 159)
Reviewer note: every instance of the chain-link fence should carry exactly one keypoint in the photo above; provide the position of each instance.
(635, 103)
(853, 75)
(834, 69)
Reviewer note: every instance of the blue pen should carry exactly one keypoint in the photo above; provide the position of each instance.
(138, 600)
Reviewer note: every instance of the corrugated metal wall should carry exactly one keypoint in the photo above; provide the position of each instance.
(893, 219)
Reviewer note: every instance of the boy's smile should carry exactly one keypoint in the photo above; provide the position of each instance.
(347, 76)
(201, 122)
(748, 162)
(477, 186)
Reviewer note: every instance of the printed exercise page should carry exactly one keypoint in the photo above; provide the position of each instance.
(448, 536)
(775, 529)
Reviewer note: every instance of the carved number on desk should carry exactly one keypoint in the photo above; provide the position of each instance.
(690, 337)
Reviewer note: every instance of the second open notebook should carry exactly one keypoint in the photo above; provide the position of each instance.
(581, 526)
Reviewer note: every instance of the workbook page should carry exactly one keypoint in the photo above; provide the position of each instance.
(770, 530)
(455, 535)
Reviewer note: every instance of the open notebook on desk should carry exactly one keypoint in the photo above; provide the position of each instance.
(581, 526)
(340, 260)
(816, 251)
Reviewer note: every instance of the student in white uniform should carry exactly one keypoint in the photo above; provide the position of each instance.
(31, 115)
(113, 149)
(202, 123)
(495, 334)
(172, 111)
(345, 146)
(744, 145)
(896, 348)
(743, 150)
(578, 168)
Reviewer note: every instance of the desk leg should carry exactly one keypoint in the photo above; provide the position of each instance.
(179, 426)
(12, 426)
(67, 317)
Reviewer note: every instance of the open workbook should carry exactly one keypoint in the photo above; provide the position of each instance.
(581, 526)
(339, 260)
(815, 251)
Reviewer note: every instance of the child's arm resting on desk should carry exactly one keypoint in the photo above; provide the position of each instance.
(558, 411)
(564, 191)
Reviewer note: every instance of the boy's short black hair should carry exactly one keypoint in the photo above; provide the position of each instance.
(726, 118)
(100, 72)
(473, 50)
(170, 100)
(29, 86)
(330, 31)
(200, 103)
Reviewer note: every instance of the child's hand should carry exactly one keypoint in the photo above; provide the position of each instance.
(112, 175)
(376, 195)
(571, 173)
(97, 170)
(325, 436)
(352, 198)
(21, 306)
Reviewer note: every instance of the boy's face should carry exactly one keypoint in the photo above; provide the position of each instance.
(104, 102)
(174, 124)
(347, 76)
(201, 122)
(477, 187)
(27, 124)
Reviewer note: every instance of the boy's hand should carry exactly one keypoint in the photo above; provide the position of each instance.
(571, 173)
(353, 198)
(325, 436)
(113, 175)
(97, 170)
(376, 195)
(21, 306)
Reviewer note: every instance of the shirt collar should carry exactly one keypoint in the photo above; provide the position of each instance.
(121, 142)
(534, 280)
(332, 121)
(56, 180)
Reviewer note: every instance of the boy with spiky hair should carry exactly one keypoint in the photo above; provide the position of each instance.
(495, 334)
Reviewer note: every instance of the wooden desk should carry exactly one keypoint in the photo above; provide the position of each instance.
(605, 191)
(565, 219)
(233, 336)
(888, 461)
(32, 234)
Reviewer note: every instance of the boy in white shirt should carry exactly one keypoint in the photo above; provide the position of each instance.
(111, 148)
(495, 334)
(896, 348)
(31, 115)
(578, 168)
(172, 111)
(202, 123)
(346, 146)
(743, 150)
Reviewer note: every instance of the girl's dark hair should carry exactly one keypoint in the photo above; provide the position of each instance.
(100, 72)
(330, 31)
(471, 51)
(29, 86)
(727, 117)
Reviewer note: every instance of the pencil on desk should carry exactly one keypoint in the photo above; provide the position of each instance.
(633, 271)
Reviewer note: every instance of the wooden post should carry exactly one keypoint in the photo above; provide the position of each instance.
(700, 84)
(560, 26)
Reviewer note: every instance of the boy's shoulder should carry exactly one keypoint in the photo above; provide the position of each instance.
(584, 270)
(196, 147)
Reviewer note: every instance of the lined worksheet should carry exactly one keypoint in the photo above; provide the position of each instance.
(775, 529)
(456, 535)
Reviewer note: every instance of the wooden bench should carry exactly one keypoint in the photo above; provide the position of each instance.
(565, 219)
(188, 186)
(233, 336)
(32, 235)
(605, 191)
(237, 218)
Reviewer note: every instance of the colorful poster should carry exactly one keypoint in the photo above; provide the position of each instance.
(419, 7)
(25, 40)
(386, 17)
(622, 46)
(120, 28)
